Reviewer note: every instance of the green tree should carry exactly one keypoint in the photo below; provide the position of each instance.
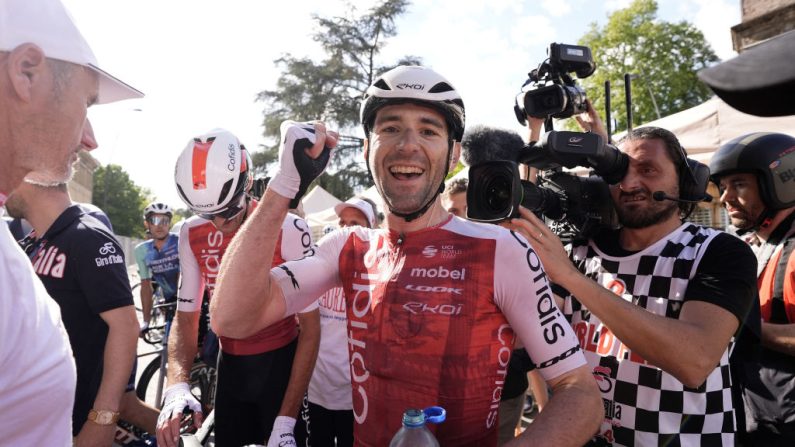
(331, 88)
(121, 199)
(180, 214)
(662, 58)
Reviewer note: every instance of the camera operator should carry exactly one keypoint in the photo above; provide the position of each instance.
(655, 303)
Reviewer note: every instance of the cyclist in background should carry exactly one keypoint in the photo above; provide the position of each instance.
(262, 379)
(157, 258)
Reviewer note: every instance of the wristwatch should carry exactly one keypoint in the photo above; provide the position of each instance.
(103, 417)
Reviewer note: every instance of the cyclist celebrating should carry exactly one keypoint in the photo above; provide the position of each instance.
(256, 378)
(434, 302)
(157, 258)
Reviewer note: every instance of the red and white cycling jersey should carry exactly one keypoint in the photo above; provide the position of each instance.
(432, 320)
(201, 248)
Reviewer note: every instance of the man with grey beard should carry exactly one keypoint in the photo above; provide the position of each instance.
(657, 303)
(48, 78)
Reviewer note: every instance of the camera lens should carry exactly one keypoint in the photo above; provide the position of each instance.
(494, 191)
(498, 194)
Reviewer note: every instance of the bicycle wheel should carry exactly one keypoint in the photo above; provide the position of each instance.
(202, 384)
(147, 387)
(135, 294)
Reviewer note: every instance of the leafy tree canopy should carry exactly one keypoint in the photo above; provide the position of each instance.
(662, 58)
(331, 88)
(121, 199)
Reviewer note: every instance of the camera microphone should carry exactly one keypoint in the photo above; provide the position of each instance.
(661, 195)
(483, 143)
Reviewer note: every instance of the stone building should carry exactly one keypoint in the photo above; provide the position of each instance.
(82, 184)
(761, 20)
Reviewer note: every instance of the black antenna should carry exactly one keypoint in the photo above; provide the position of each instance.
(607, 112)
(628, 94)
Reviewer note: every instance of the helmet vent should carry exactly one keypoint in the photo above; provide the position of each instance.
(382, 85)
(440, 88)
(183, 196)
(225, 191)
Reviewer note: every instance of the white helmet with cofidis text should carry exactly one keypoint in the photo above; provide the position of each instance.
(213, 171)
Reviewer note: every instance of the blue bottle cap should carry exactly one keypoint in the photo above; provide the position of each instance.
(436, 415)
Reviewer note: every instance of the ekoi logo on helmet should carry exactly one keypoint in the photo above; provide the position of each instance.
(405, 86)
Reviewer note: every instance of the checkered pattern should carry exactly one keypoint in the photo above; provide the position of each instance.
(645, 406)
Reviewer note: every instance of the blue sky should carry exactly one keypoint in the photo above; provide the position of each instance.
(202, 62)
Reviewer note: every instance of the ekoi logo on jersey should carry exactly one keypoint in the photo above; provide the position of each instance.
(417, 308)
(50, 263)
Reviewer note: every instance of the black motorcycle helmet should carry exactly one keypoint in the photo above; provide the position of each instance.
(771, 156)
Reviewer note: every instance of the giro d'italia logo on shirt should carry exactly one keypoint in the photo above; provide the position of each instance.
(108, 255)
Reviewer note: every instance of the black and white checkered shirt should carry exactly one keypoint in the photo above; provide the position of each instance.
(644, 405)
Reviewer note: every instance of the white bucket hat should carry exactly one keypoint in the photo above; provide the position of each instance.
(48, 24)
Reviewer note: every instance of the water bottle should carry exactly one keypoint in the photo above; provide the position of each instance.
(414, 433)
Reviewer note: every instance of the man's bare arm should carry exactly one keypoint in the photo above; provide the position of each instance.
(117, 364)
(303, 363)
(779, 337)
(572, 415)
(688, 348)
(147, 295)
(118, 358)
(182, 346)
(245, 298)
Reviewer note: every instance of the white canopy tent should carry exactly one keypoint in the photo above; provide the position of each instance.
(317, 200)
(704, 128)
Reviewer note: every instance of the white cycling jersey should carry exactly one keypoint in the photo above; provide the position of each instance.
(201, 248)
(432, 320)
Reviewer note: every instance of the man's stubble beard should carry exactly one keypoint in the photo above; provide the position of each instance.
(645, 218)
(49, 179)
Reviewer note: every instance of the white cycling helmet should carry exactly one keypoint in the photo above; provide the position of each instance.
(158, 208)
(414, 84)
(421, 85)
(213, 171)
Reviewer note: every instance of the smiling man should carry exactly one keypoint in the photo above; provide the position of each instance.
(434, 302)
